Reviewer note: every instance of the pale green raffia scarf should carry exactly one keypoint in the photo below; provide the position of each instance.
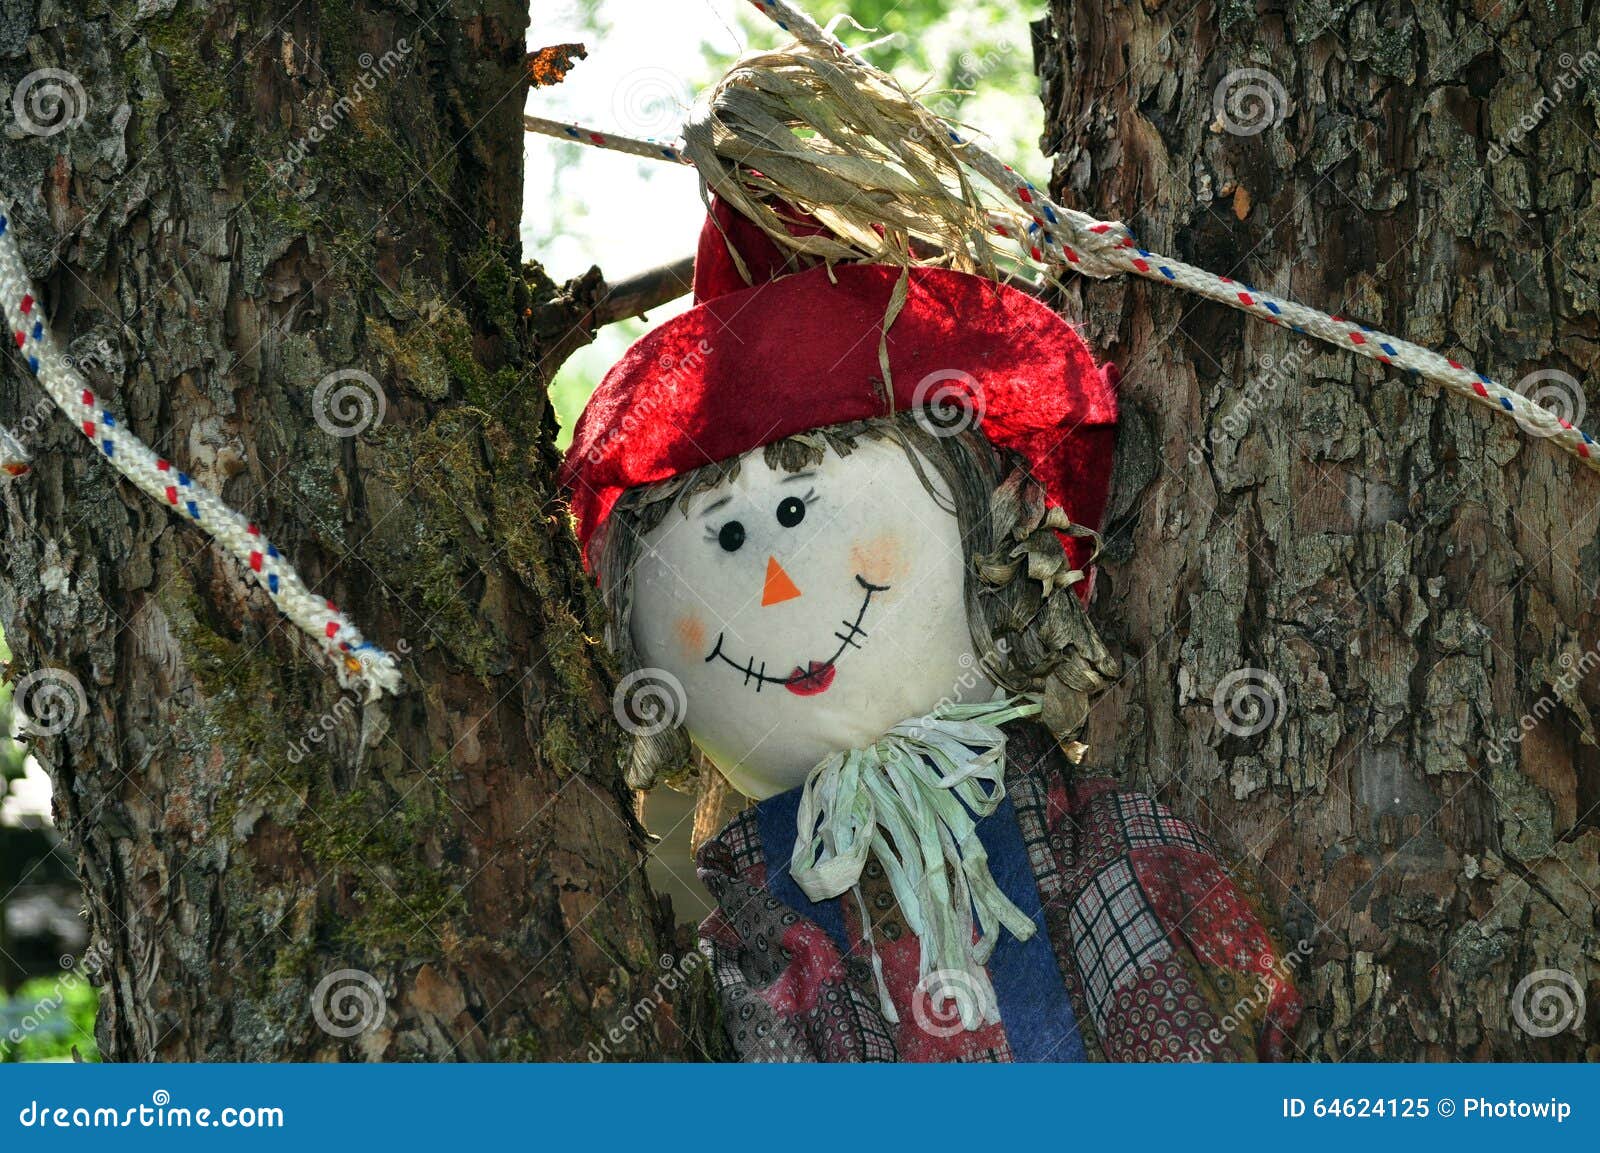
(913, 798)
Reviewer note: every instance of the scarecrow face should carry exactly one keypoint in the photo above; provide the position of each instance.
(807, 613)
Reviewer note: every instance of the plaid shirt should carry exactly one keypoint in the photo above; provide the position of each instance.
(1147, 949)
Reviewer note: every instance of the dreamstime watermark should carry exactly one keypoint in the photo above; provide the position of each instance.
(975, 672)
(374, 70)
(972, 68)
(348, 403)
(1547, 1002)
(649, 701)
(1247, 102)
(47, 101)
(671, 373)
(1248, 701)
(75, 973)
(650, 101)
(1573, 70)
(348, 1002)
(1275, 373)
(1574, 669)
(15, 456)
(346, 707)
(160, 1113)
(343, 709)
(674, 973)
(49, 701)
(948, 1002)
(948, 402)
(1274, 973)
(1558, 393)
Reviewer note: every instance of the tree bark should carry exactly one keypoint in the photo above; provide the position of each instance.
(1411, 579)
(260, 195)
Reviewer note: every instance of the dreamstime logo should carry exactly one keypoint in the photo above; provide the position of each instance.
(1547, 1002)
(650, 101)
(1247, 701)
(1248, 101)
(1558, 393)
(672, 373)
(348, 1002)
(348, 403)
(1573, 670)
(1274, 373)
(948, 402)
(47, 1009)
(1574, 71)
(951, 1001)
(49, 101)
(649, 702)
(1275, 973)
(373, 70)
(50, 701)
(674, 973)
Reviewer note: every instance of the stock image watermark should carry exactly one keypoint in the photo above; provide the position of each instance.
(949, 1002)
(672, 372)
(349, 1002)
(1274, 974)
(1275, 373)
(1247, 102)
(48, 101)
(1248, 702)
(1573, 670)
(1547, 1002)
(16, 458)
(1574, 71)
(158, 1113)
(48, 702)
(948, 402)
(648, 702)
(374, 70)
(1559, 394)
(348, 403)
(46, 1013)
(675, 973)
(651, 102)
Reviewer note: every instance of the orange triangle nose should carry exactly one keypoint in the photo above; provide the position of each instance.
(779, 587)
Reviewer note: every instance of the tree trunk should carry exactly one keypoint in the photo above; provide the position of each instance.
(1408, 581)
(259, 196)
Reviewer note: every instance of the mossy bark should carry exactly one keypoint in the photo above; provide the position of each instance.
(1418, 576)
(259, 195)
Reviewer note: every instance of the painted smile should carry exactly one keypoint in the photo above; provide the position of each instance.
(814, 677)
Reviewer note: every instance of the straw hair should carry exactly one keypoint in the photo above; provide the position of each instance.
(847, 145)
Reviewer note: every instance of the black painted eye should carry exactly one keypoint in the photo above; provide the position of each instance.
(731, 537)
(791, 512)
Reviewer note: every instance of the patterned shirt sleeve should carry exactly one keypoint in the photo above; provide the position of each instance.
(786, 993)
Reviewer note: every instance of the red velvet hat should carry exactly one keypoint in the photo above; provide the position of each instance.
(799, 350)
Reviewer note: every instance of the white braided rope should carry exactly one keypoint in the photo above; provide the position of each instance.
(1052, 236)
(359, 665)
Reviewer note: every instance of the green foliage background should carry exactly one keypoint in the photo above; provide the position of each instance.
(46, 1017)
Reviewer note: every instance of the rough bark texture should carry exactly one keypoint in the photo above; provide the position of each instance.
(469, 844)
(1418, 576)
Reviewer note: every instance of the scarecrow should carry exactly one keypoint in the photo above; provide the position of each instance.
(843, 513)
(851, 553)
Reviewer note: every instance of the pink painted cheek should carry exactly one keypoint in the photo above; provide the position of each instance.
(880, 560)
(690, 633)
